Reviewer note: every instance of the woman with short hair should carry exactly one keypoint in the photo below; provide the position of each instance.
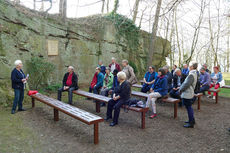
(158, 89)
(120, 97)
(216, 78)
(18, 80)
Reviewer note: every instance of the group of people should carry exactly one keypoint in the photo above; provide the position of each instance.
(180, 84)
(117, 82)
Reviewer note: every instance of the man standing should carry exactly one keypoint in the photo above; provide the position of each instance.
(130, 76)
(149, 79)
(187, 93)
(114, 65)
(69, 83)
(205, 80)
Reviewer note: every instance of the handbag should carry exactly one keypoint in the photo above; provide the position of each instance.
(222, 83)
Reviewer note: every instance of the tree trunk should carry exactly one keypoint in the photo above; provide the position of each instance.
(154, 32)
(107, 6)
(103, 6)
(177, 36)
(63, 8)
(135, 10)
(34, 4)
(116, 4)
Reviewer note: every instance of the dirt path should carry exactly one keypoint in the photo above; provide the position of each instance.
(163, 134)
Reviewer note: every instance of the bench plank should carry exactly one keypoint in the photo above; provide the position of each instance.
(137, 85)
(226, 86)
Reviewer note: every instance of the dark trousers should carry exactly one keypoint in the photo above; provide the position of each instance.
(70, 94)
(176, 94)
(204, 88)
(188, 105)
(18, 98)
(95, 89)
(116, 105)
(145, 88)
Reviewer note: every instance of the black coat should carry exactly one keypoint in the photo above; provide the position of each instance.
(169, 78)
(123, 90)
(16, 79)
(74, 80)
(175, 77)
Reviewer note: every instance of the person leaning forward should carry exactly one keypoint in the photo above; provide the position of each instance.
(69, 83)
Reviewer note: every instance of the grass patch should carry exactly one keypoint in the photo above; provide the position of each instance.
(14, 136)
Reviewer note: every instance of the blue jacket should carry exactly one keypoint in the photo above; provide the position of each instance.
(185, 71)
(115, 82)
(205, 79)
(100, 78)
(16, 79)
(161, 85)
(149, 77)
(219, 76)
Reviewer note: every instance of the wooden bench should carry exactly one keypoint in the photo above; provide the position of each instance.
(215, 91)
(165, 100)
(137, 85)
(198, 95)
(100, 98)
(72, 111)
(226, 86)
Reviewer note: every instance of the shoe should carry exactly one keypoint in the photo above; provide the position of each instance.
(192, 122)
(113, 124)
(107, 119)
(214, 97)
(13, 112)
(102, 105)
(152, 116)
(189, 125)
(20, 110)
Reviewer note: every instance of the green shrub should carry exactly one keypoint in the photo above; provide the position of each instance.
(53, 87)
(40, 71)
(133, 65)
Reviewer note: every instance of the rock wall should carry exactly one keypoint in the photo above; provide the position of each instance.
(81, 42)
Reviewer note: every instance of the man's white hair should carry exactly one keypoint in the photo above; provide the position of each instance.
(17, 62)
(121, 75)
(113, 58)
(125, 61)
(71, 67)
(185, 64)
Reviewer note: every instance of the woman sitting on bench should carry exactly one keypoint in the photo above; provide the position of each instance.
(158, 89)
(120, 97)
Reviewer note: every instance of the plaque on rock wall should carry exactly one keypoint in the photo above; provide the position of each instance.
(52, 47)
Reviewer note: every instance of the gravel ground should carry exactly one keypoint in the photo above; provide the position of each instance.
(162, 134)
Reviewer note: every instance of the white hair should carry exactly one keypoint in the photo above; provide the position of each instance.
(113, 58)
(177, 70)
(121, 75)
(71, 67)
(17, 62)
(185, 64)
(125, 61)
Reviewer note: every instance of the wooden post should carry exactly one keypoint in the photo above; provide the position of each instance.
(216, 97)
(56, 115)
(142, 120)
(175, 110)
(198, 105)
(33, 104)
(96, 139)
(97, 106)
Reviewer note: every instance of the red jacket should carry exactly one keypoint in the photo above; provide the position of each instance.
(117, 66)
(94, 81)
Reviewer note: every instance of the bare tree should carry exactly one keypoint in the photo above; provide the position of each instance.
(107, 5)
(135, 10)
(62, 8)
(103, 6)
(116, 5)
(154, 32)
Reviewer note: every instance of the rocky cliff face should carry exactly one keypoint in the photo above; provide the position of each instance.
(81, 43)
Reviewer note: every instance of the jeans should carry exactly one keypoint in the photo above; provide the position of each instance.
(188, 105)
(95, 89)
(18, 99)
(145, 88)
(176, 94)
(105, 92)
(70, 94)
(116, 105)
(204, 88)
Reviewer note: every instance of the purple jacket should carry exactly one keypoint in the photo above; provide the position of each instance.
(205, 79)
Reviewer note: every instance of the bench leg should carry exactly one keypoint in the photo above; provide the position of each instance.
(142, 120)
(198, 105)
(96, 139)
(97, 106)
(175, 110)
(56, 115)
(216, 97)
(33, 104)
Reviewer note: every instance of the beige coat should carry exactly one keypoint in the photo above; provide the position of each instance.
(130, 76)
